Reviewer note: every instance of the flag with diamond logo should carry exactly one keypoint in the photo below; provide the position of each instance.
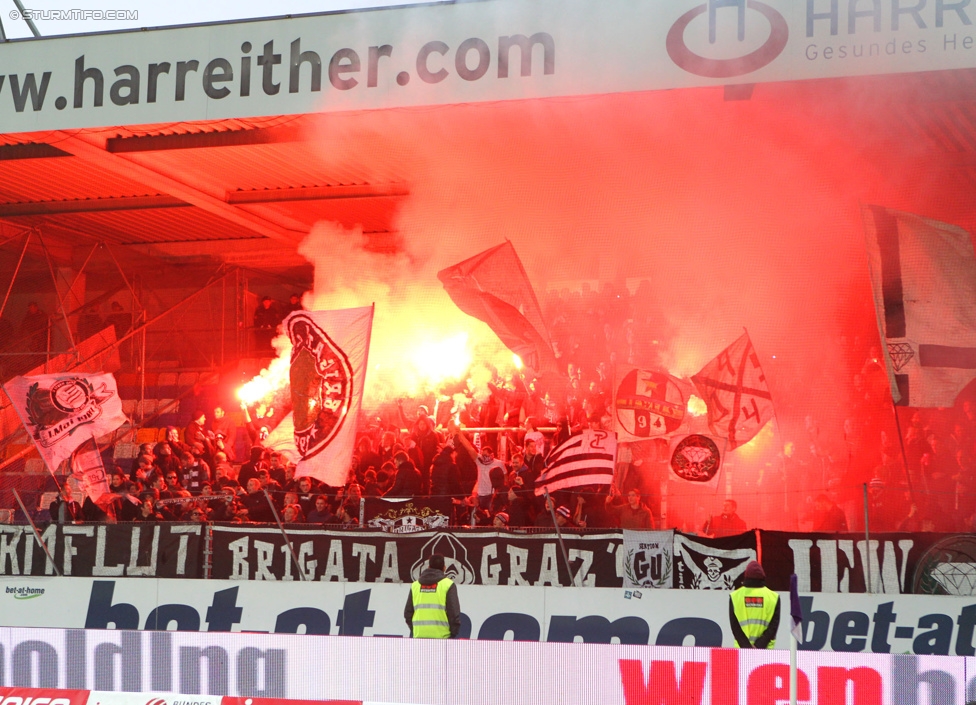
(923, 275)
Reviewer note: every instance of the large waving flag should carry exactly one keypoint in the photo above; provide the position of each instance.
(493, 287)
(734, 388)
(923, 274)
(328, 370)
(648, 403)
(61, 411)
(587, 458)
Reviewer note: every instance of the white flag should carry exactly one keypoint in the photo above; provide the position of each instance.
(923, 274)
(89, 470)
(588, 458)
(328, 370)
(62, 411)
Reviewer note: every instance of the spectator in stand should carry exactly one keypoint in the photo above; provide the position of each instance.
(225, 478)
(408, 482)
(166, 461)
(368, 458)
(251, 467)
(174, 490)
(882, 510)
(147, 509)
(256, 503)
(562, 514)
(830, 518)
(321, 513)
(533, 465)
(632, 514)
(197, 513)
(371, 485)
(258, 429)
(64, 509)
(445, 480)
(500, 520)
(196, 472)
(267, 316)
(142, 470)
(128, 505)
(307, 493)
(521, 506)
(347, 515)
(486, 463)
(292, 514)
(225, 507)
(469, 513)
(224, 433)
(294, 304)
(425, 438)
(728, 523)
(533, 434)
(195, 432)
(276, 468)
(272, 487)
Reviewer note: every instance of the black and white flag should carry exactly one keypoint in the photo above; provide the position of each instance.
(923, 274)
(587, 458)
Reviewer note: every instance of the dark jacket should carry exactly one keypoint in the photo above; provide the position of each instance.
(429, 577)
(445, 479)
(408, 481)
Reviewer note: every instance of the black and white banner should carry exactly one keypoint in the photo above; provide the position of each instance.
(473, 558)
(927, 564)
(407, 516)
(156, 550)
(711, 564)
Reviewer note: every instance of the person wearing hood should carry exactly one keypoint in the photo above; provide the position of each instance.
(433, 610)
(754, 611)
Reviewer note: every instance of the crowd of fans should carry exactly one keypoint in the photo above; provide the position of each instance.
(818, 479)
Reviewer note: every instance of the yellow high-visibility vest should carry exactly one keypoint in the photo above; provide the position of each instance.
(430, 610)
(754, 608)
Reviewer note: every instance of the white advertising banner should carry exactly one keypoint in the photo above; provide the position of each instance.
(466, 52)
(461, 672)
(923, 625)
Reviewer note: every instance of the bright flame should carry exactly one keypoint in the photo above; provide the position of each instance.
(517, 361)
(271, 379)
(437, 361)
(697, 406)
(757, 445)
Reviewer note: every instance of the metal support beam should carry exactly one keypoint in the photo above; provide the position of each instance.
(200, 140)
(89, 205)
(98, 157)
(317, 193)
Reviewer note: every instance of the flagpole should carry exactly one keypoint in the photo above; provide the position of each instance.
(867, 537)
(904, 454)
(559, 538)
(793, 669)
(37, 534)
(796, 621)
(281, 528)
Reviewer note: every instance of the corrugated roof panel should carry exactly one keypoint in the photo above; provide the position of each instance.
(62, 178)
(147, 226)
(373, 214)
(283, 165)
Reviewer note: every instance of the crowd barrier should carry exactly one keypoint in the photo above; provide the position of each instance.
(847, 623)
(940, 564)
(460, 672)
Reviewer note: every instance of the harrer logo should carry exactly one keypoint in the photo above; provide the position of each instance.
(691, 62)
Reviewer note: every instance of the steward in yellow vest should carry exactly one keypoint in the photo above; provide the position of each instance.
(754, 611)
(433, 610)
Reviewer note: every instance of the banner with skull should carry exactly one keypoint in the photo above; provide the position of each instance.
(714, 565)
